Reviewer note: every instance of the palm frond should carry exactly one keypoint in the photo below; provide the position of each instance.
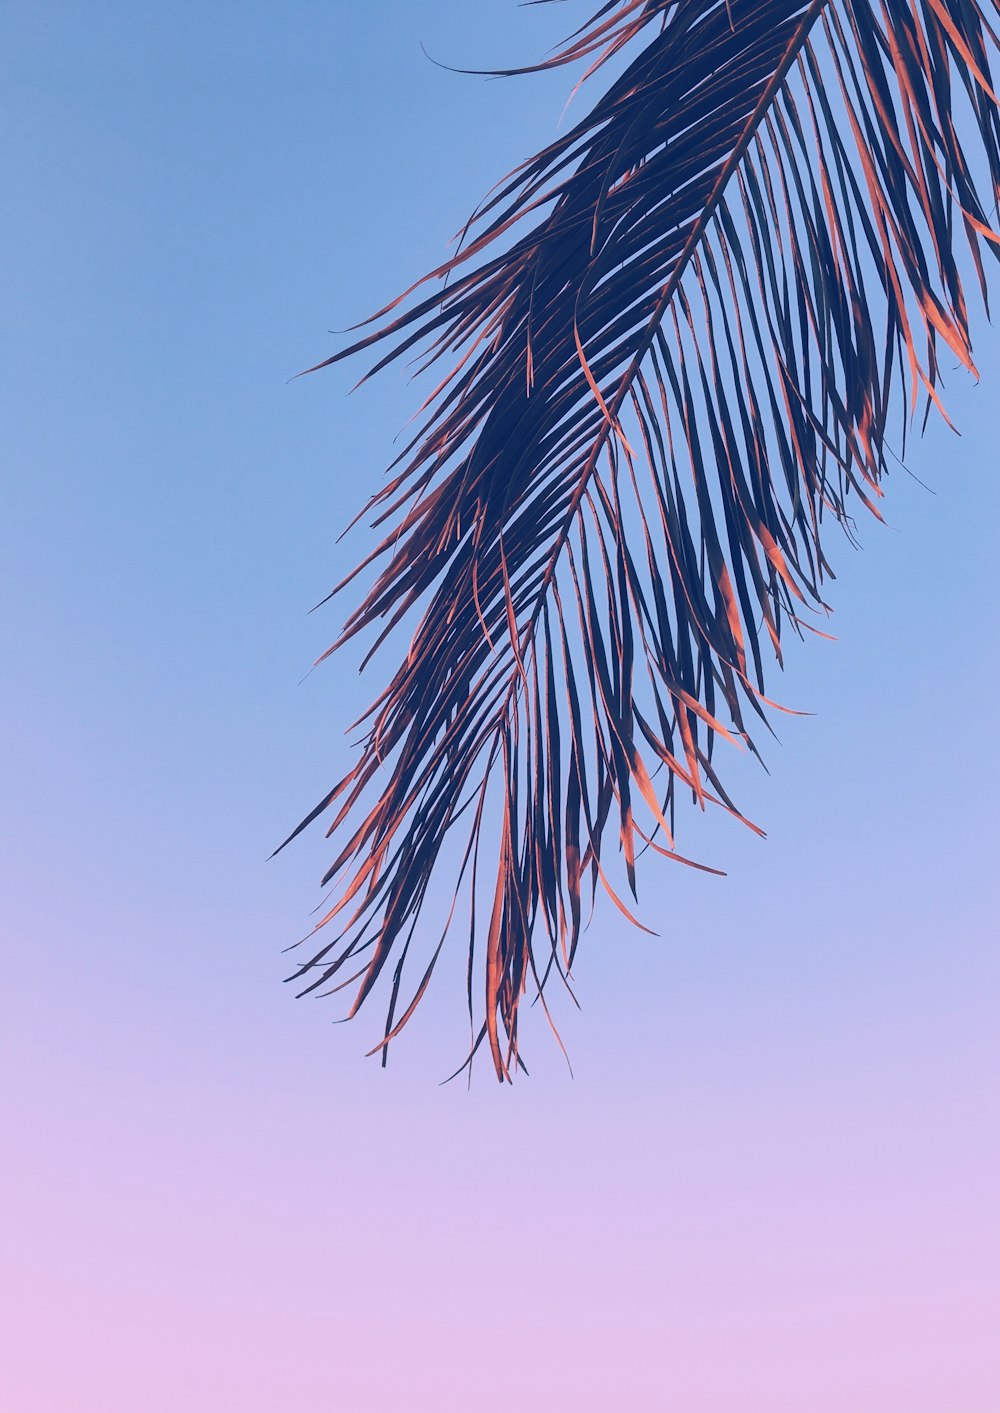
(677, 343)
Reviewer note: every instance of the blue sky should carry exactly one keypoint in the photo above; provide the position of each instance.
(773, 1177)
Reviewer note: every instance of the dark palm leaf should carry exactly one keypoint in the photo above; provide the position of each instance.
(675, 340)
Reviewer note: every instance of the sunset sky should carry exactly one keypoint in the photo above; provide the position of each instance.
(770, 1184)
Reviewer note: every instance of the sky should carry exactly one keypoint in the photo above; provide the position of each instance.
(770, 1183)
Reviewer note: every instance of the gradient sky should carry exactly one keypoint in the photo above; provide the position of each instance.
(771, 1185)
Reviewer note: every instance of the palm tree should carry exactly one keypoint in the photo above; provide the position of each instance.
(676, 342)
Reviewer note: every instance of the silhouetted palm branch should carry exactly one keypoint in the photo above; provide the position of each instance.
(675, 340)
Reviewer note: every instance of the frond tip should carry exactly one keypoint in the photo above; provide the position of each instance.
(676, 340)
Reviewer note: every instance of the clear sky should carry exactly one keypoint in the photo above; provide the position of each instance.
(771, 1185)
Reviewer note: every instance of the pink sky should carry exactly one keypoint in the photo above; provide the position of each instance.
(771, 1186)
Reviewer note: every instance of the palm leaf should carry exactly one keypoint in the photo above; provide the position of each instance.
(677, 343)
